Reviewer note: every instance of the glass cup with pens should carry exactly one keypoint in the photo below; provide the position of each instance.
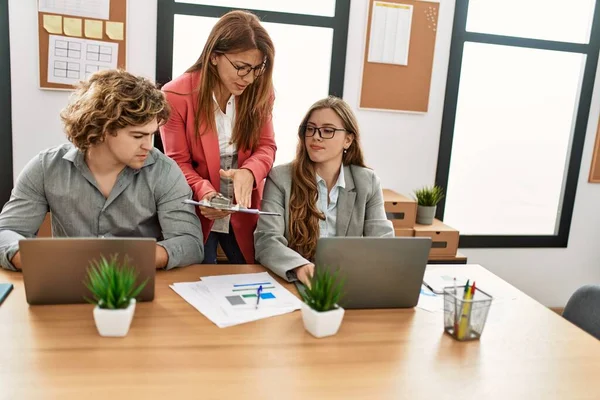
(465, 311)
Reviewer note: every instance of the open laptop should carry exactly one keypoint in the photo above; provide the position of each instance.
(378, 272)
(54, 270)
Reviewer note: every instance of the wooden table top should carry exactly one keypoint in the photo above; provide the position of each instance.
(172, 351)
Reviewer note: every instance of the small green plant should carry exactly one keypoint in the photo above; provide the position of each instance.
(112, 284)
(325, 290)
(429, 196)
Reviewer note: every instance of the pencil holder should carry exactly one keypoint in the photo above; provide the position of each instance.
(465, 319)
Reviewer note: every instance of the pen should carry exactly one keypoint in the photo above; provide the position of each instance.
(463, 325)
(428, 287)
(258, 292)
(471, 296)
(455, 307)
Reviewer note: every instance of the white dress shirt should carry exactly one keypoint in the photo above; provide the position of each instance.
(224, 122)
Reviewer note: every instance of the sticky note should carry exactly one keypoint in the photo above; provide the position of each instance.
(114, 30)
(72, 26)
(53, 23)
(93, 29)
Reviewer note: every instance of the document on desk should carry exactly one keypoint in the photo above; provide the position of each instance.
(437, 281)
(431, 297)
(430, 301)
(229, 300)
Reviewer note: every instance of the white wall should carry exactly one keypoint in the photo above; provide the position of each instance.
(402, 148)
(35, 113)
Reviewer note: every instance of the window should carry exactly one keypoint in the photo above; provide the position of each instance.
(6, 160)
(310, 50)
(517, 102)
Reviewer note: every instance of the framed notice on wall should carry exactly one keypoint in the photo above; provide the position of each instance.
(78, 38)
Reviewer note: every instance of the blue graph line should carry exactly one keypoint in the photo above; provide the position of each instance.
(253, 284)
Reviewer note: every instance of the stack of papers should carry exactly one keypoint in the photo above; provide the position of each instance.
(436, 281)
(229, 300)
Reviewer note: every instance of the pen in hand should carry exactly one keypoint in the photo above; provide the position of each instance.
(258, 293)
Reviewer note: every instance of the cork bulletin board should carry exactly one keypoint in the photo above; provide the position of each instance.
(389, 86)
(595, 167)
(78, 38)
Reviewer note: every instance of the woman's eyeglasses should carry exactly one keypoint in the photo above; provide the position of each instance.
(324, 132)
(246, 69)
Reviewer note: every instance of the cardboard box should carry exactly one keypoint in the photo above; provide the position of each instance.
(399, 209)
(404, 232)
(444, 238)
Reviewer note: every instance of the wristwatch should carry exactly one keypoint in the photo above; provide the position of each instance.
(291, 275)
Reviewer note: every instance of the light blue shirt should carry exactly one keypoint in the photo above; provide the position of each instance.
(328, 204)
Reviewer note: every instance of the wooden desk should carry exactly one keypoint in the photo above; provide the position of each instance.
(173, 352)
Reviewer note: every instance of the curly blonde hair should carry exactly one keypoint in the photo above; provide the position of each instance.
(111, 100)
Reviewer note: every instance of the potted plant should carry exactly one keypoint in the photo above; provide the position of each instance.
(427, 200)
(113, 287)
(321, 313)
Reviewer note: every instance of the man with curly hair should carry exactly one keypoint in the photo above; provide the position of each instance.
(109, 181)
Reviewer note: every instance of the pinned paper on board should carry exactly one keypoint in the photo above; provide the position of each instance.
(72, 26)
(53, 24)
(114, 30)
(71, 60)
(390, 33)
(79, 37)
(99, 9)
(93, 29)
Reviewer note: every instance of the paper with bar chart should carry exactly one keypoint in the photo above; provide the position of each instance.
(232, 299)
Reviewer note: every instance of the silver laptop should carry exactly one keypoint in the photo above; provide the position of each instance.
(54, 270)
(378, 272)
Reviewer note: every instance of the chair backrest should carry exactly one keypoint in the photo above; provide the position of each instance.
(583, 309)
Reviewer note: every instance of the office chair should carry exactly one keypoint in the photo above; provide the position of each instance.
(583, 309)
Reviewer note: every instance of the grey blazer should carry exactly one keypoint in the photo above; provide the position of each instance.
(360, 212)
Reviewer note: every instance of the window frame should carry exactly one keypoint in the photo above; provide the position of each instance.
(6, 152)
(459, 36)
(167, 9)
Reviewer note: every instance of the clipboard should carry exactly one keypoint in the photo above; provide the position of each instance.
(235, 208)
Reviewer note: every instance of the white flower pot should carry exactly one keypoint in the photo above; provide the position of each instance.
(321, 324)
(425, 214)
(114, 323)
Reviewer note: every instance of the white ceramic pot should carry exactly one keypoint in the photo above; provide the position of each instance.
(425, 214)
(114, 323)
(322, 324)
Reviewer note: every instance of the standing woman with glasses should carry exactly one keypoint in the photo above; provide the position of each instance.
(220, 131)
(326, 191)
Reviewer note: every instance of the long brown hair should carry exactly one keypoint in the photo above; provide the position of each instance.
(304, 214)
(237, 31)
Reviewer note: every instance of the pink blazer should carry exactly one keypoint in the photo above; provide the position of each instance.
(199, 158)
